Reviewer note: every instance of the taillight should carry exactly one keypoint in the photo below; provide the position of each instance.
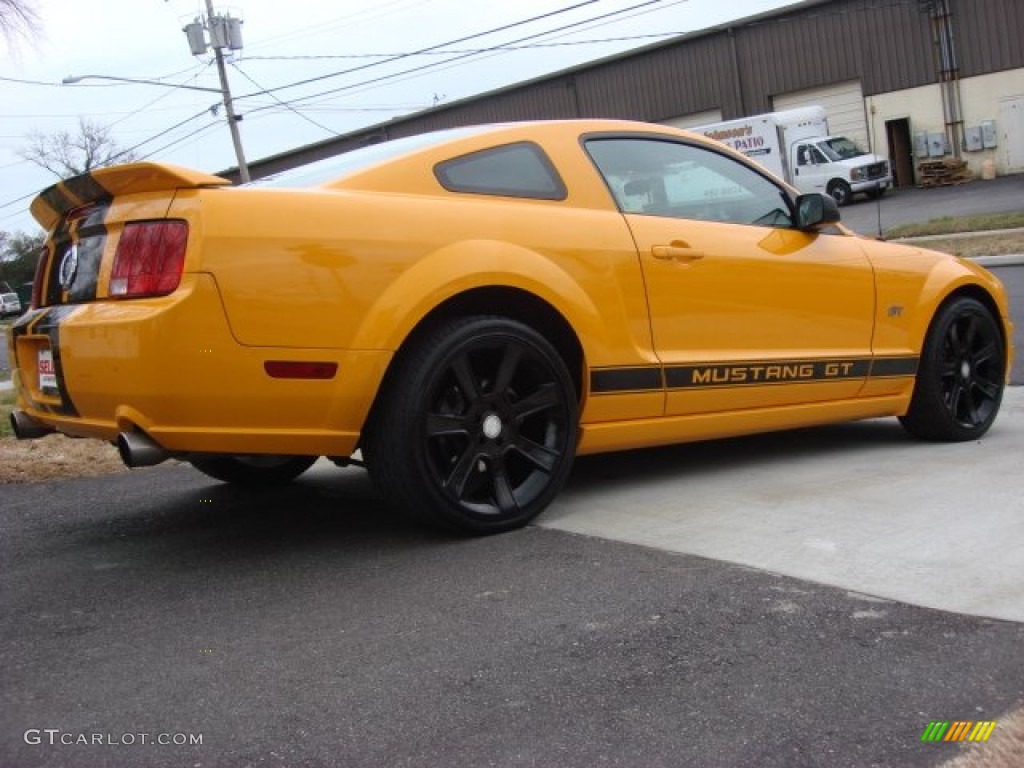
(149, 259)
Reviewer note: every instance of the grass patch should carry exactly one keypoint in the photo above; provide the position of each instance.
(7, 400)
(948, 225)
(982, 245)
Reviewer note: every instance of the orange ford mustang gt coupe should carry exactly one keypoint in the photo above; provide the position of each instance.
(466, 311)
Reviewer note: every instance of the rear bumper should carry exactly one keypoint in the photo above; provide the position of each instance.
(171, 368)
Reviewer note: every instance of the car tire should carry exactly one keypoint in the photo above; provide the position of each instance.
(254, 470)
(961, 375)
(840, 192)
(476, 428)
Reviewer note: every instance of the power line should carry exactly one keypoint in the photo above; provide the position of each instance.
(315, 57)
(359, 17)
(460, 57)
(447, 63)
(164, 132)
(285, 104)
(466, 38)
(193, 134)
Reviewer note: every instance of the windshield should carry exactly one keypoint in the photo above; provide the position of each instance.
(339, 166)
(840, 148)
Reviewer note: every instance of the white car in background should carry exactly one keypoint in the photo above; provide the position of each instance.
(10, 305)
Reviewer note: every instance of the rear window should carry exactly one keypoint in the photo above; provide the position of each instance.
(338, 167)
(511, 170)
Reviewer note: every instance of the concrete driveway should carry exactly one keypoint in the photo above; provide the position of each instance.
(860, 506)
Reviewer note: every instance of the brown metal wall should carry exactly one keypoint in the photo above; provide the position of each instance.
(885, 44)
(663, 82)
(989, 35)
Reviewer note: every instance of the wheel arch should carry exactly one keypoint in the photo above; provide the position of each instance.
(515, 304)
(979, 293)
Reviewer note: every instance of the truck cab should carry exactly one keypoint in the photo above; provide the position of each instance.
(838, 167)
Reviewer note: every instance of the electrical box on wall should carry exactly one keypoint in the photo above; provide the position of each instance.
(936, 144)
(972, 139)
(921, 144)
(988, 134)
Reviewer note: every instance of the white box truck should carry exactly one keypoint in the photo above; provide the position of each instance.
(795, 144)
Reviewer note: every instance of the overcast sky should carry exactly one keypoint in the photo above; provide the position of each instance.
(287, 41)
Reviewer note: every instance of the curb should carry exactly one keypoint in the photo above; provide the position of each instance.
(1006, 260)
(958, 235)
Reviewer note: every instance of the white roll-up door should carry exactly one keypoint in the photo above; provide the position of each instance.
(695, 118)
(843, 103)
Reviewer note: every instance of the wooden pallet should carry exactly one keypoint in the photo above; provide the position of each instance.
(943, 173)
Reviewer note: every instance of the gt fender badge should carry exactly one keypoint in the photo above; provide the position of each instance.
(68, 268)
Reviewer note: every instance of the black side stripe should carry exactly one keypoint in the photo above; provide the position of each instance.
(606, 381)
(890, 367)
(637, 379)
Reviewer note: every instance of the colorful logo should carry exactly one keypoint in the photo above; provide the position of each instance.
(958, 730)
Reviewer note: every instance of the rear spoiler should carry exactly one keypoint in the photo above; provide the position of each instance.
(103, 184)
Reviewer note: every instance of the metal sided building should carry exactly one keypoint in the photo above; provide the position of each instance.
(907, 79)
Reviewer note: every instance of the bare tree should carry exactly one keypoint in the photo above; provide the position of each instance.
(66, 154)
(19, 253)
(18, 17)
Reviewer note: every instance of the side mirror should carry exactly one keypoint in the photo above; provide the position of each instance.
(816, 211)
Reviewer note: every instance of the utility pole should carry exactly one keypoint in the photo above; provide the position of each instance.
(224, 32)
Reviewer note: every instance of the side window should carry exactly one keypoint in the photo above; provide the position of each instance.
(803, 155)
(512, 170)
(668, 178)
(817, 156)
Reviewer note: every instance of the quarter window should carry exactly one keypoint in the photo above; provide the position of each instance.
(667, 178)
(512, 170)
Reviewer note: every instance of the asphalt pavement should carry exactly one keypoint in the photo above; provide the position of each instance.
(309, 626)
(911, 205)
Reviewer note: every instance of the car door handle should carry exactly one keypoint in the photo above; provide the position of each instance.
(677, 250)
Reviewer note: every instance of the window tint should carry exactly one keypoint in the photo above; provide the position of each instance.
(667, 178)
(513, 170)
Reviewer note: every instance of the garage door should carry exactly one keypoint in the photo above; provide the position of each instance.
(843, 103)
(695, 118)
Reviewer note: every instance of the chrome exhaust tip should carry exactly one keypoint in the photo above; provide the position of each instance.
(139, 450)
(27, 428)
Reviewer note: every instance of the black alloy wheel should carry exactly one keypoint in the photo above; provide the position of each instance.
(961, 375)
(476, 430)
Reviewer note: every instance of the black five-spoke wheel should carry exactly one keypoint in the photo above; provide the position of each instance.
(961, 375)
(477, 427)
